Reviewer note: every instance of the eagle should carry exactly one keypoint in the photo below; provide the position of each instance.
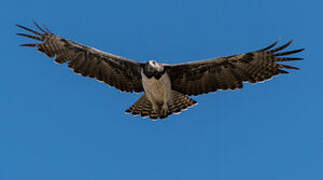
(166, 87)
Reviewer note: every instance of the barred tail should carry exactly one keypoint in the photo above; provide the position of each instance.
(180, 102)
(144, 107)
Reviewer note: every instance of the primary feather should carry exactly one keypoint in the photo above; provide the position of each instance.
(230, 72)
(116, 71)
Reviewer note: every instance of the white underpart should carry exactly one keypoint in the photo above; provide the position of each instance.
(157, 91)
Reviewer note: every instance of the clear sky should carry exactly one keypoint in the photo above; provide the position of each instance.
(55, 124)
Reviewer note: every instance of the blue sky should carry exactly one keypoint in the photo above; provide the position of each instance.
(58, 125)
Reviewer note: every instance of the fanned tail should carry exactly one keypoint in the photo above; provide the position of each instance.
(144, 107)
(180, 102)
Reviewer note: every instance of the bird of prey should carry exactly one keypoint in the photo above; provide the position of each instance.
(166, 87)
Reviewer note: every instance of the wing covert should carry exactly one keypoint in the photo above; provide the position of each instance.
(116, 71)
(230, 72)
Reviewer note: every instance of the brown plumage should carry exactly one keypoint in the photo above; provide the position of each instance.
(116, 71)
(206, 76)
(144, 107)
(178, 81)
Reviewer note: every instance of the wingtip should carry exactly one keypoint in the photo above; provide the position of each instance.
(40, 28)
(290, 67)
(28, 45)
(28, 29)
(20, 26)
(279, 48)
(289, 42)
(29, 36)
(270, 46)
(301, 49)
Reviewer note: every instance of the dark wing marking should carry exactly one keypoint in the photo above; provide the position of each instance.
(119, 72)
(200, 77)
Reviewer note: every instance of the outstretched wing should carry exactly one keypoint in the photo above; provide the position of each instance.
(230, 72)
(119, 72)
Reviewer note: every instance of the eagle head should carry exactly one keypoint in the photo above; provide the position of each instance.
(153, 68)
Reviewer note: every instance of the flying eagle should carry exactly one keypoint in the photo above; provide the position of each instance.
(166, 87)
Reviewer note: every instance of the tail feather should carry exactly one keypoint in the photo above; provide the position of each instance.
(144, 107)
(180, 102)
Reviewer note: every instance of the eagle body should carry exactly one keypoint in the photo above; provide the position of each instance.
(166, 88)
(157, 88)
(158, 92)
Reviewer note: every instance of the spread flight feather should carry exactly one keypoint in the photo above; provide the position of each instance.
(192, 78)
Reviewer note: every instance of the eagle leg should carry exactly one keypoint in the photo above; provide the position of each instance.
(164, 111)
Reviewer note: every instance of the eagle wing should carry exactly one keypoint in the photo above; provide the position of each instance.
(119, 72)
(230, 72)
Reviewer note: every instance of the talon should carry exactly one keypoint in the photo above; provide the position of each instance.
(164, 110)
